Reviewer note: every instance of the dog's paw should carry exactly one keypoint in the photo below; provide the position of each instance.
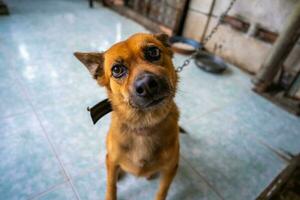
(110, 197)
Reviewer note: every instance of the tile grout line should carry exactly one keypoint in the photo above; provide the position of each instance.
(57, 157)
(85, 172)
(52, 188)
(203, 178)
(15, 114)
(281, 155)
(213, 110)
(217, 108)
(66, 175)
(220, 107)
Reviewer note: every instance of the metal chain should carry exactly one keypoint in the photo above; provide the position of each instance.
(207, 38)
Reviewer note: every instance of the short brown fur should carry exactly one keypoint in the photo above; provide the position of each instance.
(140, 141)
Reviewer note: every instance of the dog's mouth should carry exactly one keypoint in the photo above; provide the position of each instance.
(155, 102)
(142, 104)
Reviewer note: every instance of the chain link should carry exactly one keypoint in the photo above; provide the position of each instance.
(207, 38)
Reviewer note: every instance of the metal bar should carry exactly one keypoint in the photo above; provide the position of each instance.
(91, 3)
(149, 24)
(210, 13)
(179, 26)
(279, 52)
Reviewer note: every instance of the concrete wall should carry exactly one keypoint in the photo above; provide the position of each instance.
(237, 47)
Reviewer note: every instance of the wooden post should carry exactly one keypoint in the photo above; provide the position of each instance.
(279, 52)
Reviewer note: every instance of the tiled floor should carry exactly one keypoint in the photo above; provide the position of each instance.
(49, 148)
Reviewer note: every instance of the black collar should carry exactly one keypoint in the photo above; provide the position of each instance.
(104, 107)
(99, 110)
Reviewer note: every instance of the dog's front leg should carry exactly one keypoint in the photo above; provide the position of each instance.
(165, 182)
(111, 185)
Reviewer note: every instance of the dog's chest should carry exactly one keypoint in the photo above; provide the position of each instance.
(142, 150)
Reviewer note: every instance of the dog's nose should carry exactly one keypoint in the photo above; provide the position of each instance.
(146, 85)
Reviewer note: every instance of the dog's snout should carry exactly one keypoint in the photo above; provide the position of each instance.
(146, 85)
(149, 89)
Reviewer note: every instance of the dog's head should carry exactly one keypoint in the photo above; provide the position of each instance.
(138, 72)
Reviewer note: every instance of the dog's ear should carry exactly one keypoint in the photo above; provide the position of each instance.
(93, 61)
(163, 38)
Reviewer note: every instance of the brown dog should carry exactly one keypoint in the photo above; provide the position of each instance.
(141, 81)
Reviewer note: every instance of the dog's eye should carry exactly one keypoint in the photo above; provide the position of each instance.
(152, 53)
(118, 70)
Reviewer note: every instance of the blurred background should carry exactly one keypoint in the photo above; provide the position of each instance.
(242, 121)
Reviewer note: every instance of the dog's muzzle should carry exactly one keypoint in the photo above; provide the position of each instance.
(149, 90)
